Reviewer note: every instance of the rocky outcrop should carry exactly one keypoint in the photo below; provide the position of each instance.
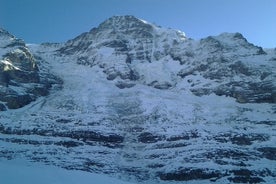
(20, 79)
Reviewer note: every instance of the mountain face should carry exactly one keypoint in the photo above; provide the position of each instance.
(142, 103)
(128, 49)
(20, 79)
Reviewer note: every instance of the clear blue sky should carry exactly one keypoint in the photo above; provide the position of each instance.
(38, 21)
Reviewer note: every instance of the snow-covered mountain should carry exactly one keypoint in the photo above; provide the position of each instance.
(143, 103)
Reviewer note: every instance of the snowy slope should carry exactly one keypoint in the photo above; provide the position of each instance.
(146, 104)
(19, 171)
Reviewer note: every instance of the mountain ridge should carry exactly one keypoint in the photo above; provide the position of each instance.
(147, 107)
(156, 44)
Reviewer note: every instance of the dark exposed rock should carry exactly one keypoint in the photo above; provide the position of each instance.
(188, 174)
(203, 91)
(245, 176)
(123, 85)
(154, 166)
(240, 68)
(112, 76)
(131, 75)
(186, 136)
(165, 85)
(161, 85)
(118, 45)
(241, 139)
(251, 180)
(247, 140)
(69, 144)
(84, 136)
(16, 101)
(270, 123)
(183, 73)
(39, 90)
(170, 145)
(229, 153)
(2, 107)
(90, 163)
(268, 152)
(26, 141)
(22, 76)
(272, 59)
(127, 74)
(4, 78)
(91, 136)
(84, 61)
(148, 137)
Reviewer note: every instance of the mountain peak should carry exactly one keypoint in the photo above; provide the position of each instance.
(5, 37)
(9, 40)
(3, 32)
(125, 23)
(126, 32)
(123, 19)
(231, 42)
(232, 36)
(119, 18)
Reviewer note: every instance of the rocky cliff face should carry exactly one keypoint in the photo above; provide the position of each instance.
(20, 78)
(143, 103)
